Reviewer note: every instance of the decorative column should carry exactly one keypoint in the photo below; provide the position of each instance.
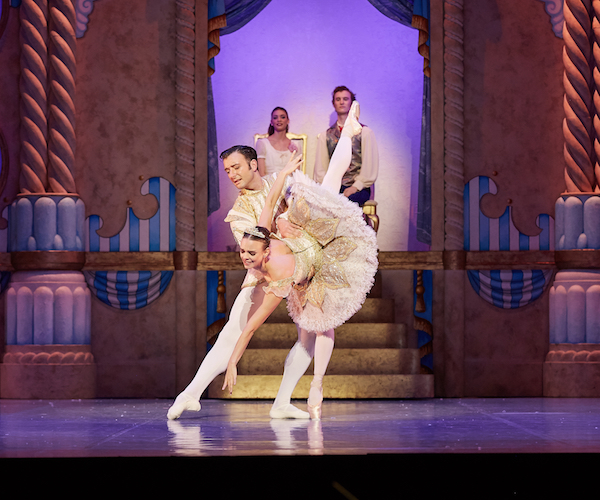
(48, 304)
(188, 343)
(451, 342)
(572, 367)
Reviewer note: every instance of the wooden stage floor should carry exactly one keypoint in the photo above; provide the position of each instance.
(358, 448)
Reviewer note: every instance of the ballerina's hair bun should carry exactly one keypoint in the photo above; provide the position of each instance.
(258, 233)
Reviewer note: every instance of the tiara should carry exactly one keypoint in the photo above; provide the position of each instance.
(255, 232)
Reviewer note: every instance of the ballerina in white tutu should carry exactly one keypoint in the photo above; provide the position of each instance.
(326, 273)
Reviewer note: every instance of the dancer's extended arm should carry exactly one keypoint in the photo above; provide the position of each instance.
(269, 304)
(266, 216)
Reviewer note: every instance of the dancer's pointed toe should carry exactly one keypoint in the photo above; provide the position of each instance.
(352, 126)
(314, 411)
(182, 403)
(315, 398)
(355, 109)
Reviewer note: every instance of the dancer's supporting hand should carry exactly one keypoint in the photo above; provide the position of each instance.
(293, 164)
(288, 229)
(230, 377)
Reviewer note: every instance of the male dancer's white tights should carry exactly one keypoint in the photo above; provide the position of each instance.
(215, 362)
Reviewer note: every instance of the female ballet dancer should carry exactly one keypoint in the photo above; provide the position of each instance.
(275, 151)
(326, 273)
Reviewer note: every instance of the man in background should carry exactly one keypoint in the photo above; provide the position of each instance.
(363, 170)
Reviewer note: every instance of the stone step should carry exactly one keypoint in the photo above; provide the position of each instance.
(374, 310)
(343, 362)
(334, 387)
(377, 289)
(372, 335)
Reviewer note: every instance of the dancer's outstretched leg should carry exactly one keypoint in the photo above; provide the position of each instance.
(296, 364)
(215, 362)
(339, 163)
(342, 155)
(323, 350)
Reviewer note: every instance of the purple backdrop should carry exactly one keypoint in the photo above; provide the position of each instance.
(292, 55)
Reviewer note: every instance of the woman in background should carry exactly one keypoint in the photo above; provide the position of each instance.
(275, 151)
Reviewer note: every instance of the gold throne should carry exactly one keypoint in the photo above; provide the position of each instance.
(293, 137)
(370, 212)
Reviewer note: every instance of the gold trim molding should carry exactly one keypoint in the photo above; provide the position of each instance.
(449, 260)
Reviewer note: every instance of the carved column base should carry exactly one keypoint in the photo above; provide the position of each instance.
(572, 370)
(48, 372)
(575, 307)
(47, 222)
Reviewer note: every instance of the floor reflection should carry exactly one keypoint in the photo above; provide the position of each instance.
(37, 428)
(197, 437)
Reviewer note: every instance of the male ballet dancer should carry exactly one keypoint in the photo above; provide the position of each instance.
(364, 167)
(241, 165)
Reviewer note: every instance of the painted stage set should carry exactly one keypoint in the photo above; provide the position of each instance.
(478, 346)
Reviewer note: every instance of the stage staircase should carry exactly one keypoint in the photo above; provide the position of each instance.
(374, 358)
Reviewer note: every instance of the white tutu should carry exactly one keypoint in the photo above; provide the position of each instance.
(349, 263)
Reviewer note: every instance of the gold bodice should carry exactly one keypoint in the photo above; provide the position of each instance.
(317, 254)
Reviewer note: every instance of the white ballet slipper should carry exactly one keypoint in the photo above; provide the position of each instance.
(288, 411)
(182, 403)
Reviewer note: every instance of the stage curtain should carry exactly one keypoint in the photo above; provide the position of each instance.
(241, 12)
(415, 13)
(400, 11)
(424, 188)
(420, 21)
(216, 20)
(224, 17)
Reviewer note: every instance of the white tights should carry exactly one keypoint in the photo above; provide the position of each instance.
(342, 155)
(215, 362)
(309, 345)
(340, 160)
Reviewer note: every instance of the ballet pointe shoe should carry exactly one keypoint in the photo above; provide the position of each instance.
(355, 110)
(352, 126)
(182, 403)
(315, 411)
(316, 393)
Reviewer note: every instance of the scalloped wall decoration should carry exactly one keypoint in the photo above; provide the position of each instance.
(83, 9)
(482, 233)
(554, 8)
(156, 234)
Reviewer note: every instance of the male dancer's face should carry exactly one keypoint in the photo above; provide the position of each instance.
(342, 101)
(239, 171)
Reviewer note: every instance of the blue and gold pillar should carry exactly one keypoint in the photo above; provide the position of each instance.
(48, 304)
(572, 366)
